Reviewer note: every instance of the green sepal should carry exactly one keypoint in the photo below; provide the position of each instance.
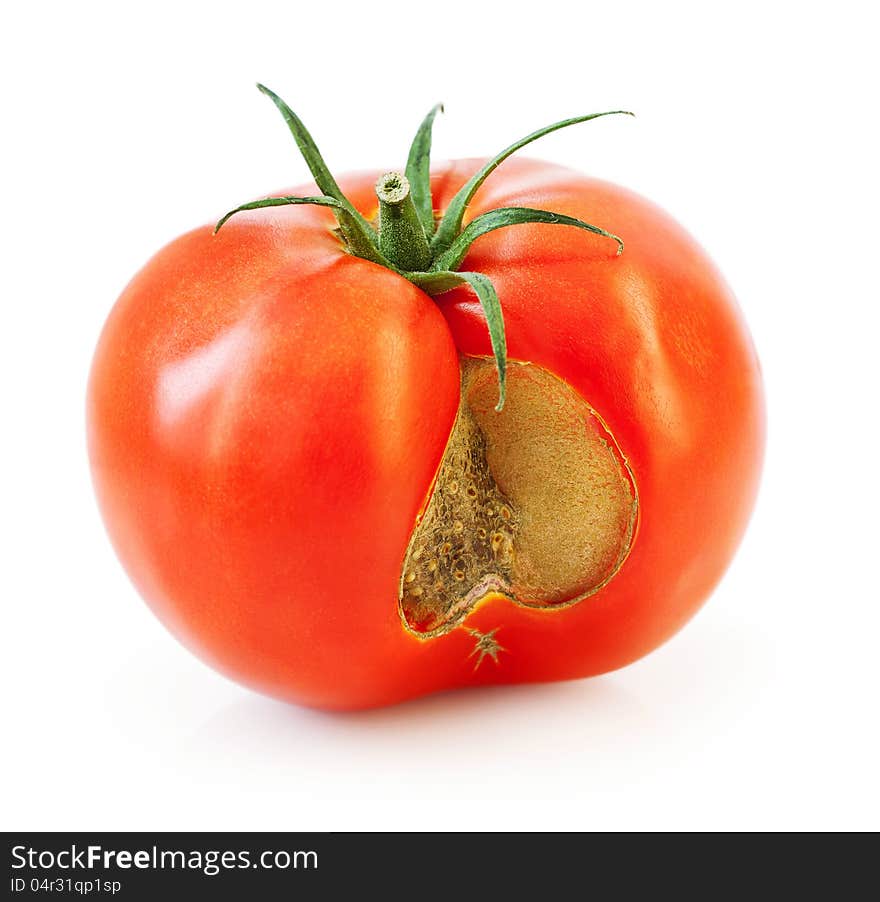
(508, 216)
(418, 171)
(277, 202)
(450, 225)
(365, 249)
(322, 175)
(438, 282)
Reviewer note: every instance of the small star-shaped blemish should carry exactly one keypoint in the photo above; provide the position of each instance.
(486, 644)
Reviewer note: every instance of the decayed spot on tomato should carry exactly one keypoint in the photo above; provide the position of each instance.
(535, 502)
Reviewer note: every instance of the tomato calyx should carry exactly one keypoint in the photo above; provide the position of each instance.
(409, 239)
(486, 646)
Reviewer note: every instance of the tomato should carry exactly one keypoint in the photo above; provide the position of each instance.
(286, 439)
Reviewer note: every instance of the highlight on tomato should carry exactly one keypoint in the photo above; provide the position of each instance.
(426, 429)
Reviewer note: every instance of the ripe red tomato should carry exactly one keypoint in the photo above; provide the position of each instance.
(299, 462)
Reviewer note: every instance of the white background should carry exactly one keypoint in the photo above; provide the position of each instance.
(126, 124)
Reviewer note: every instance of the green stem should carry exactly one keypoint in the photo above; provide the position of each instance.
(402, 237)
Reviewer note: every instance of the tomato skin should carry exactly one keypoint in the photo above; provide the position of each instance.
(266, 414)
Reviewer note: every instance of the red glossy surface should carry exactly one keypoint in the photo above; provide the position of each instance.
(266, 414)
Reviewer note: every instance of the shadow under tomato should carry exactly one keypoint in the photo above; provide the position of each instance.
(539, 741)
(433, 735)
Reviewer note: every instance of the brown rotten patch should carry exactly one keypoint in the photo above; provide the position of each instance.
(535, 503)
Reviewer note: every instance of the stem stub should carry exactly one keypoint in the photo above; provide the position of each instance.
(402, 237)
